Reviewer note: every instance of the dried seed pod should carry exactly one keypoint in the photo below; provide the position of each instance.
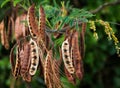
(56, 76)
(16, 72)
(12, 58)
(76, 55)
(66, 57)
(33, 27)
(34, 55)
(82, 40)
(51, 72)
(46, 68)
(42, 39)
(20, 27)
(55, 66)
(25, 62)
(42, 23)
(4, 37)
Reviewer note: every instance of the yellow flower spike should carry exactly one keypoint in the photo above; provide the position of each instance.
(111, 35)
(95, 35)
(115, 39)
(93, 27)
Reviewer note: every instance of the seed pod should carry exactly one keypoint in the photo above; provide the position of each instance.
(76, 55)
(42, 23)
(43, 40)
(46, 66)
(48, 70)
(20, 28)
(66, 57)
(51, 71)
(34, 55)
(56, 66)
(12, 58)
(82, 40)
(32, 24)
(56, 76)
(25, 62)
(17, 64)
(4, 36)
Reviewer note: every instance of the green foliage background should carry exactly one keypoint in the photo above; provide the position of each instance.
(101, 63)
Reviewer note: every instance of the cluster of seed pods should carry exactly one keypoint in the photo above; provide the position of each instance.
(72, 58)
(28, 50)
(30, 53)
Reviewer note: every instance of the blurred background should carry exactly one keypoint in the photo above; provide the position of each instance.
(101, 63)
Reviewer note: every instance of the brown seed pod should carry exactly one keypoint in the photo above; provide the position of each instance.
(42, 23)
(82, 40)
(33, 27)
(12, 58)
(76, 55)
(21, 67)
(34, 55)
(66, 57)
(16, 71)
(43, 39)
(25, 62)
(55, 66)
(51, 73)
(47, 70)
(56, 76)
(56, 71)
(4, 36)
(20, 27)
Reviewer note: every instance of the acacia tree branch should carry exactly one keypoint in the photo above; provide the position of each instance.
(105, 5)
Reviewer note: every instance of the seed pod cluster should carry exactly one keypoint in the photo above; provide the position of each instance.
(71, 50)
(37, 31)
(27, 60)
(22, 62)
(30, 53)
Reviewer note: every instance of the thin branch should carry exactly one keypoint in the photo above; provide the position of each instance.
(55, 30)
(105, 5)
(63, 30)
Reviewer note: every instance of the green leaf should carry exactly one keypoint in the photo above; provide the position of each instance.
(4, 3)
(15, 2)
(58, 42)
(63, 22)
